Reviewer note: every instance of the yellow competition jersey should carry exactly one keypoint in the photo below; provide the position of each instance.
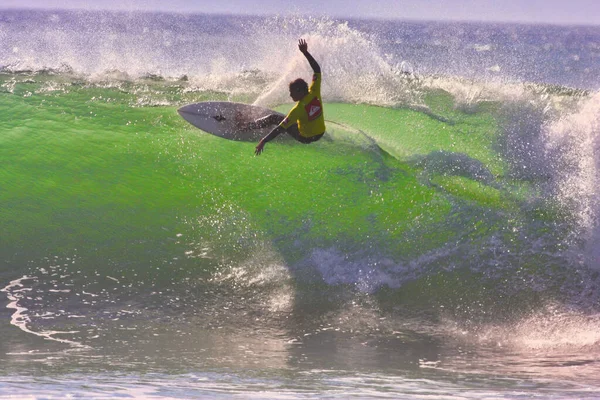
(308, 112)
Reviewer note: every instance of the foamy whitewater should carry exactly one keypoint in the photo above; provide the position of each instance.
(441, 241)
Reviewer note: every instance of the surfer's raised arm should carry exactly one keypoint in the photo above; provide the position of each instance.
(303, 46)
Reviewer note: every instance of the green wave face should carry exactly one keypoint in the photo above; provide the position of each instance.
(392, 197)
(84, 164)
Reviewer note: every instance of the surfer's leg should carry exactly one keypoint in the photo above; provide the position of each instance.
(269, 120)
(294, 132)
(244, 124)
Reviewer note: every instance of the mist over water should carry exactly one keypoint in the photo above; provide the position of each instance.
(446, 227)
(176, 45)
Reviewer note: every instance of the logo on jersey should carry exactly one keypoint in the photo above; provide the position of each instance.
(314, 109)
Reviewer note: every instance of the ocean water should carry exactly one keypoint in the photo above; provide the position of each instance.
(442, 241)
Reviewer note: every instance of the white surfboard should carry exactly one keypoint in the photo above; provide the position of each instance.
(224, 119)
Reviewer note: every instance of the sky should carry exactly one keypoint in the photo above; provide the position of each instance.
(564, 12)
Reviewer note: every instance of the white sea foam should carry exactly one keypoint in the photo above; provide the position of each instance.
(16, 291)
(576, 137)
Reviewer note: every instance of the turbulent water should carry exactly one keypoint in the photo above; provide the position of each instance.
(441, 241)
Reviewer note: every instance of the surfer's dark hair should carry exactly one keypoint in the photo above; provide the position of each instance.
(299, 85)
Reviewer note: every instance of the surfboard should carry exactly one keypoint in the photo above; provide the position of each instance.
(224, 119)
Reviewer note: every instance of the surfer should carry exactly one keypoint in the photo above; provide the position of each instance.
(305, 122)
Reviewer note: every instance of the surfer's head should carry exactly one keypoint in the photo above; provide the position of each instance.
(298, 89)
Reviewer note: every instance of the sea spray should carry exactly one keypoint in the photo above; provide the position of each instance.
(576, 137)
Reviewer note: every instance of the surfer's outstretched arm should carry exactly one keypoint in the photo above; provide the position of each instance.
(303, 46)
(272, 135)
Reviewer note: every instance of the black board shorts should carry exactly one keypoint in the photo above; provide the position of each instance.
(304, 139)
(295, 133)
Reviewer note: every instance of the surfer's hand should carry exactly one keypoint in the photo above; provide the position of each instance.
(259, 148)
(302, 45)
